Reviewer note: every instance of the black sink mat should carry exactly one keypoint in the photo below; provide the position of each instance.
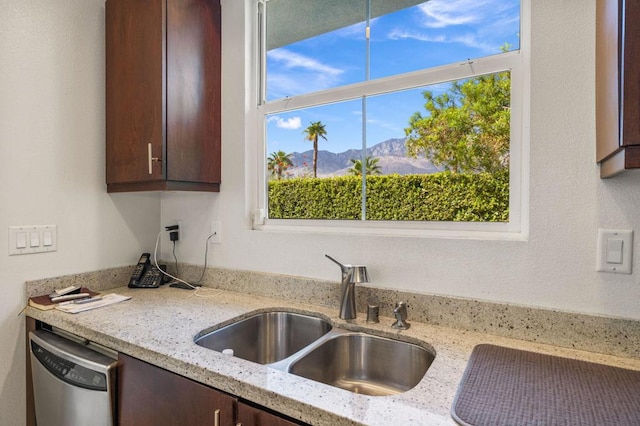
(504, 386)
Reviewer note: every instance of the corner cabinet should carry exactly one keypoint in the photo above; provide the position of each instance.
(163, 95)
(617, 86)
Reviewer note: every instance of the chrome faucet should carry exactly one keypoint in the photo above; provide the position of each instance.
(400, 312)
(351, 274)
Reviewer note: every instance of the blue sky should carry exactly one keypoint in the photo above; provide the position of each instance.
(434, 33)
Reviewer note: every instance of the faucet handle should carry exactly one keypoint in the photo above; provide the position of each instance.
(400, 312)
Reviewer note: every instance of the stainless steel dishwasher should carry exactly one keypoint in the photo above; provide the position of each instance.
(73, 383)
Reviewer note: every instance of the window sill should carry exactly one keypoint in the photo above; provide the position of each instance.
(440, 230)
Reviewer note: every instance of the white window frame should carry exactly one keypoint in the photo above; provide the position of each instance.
(516, 62)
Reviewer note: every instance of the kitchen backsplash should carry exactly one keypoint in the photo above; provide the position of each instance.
(613, 336)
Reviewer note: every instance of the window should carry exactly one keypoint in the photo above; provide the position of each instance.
(400, 114)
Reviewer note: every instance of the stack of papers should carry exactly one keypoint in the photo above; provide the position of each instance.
(44, 302)
(73, 307)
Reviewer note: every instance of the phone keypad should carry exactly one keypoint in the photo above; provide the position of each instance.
(151, 279)
(138, 270)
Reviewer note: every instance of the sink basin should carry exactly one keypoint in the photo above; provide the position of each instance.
(309, 347)
(267, 337)
(365, 364)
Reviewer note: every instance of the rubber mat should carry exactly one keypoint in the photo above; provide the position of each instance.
(504, 386)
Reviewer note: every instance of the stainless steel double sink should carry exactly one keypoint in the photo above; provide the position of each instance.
(311, 347)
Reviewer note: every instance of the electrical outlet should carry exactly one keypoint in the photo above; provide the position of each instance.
(216, 228)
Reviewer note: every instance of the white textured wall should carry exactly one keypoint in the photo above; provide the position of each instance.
(52, 164)
(568, 201)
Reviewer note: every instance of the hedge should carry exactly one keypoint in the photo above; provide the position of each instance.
(443, 196)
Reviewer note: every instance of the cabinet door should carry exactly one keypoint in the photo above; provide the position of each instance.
(193, 90)
(252, 416)
(148, 395)
(617, 86)
(631, 72)
(135, 89)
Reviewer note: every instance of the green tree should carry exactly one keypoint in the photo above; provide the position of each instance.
(312, 133)
(467, 128)
(278, 162)
(371, 166)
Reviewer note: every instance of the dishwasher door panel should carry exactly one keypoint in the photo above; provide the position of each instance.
(72, 384)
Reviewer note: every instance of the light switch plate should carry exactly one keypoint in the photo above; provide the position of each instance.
(31, 239)
(615, 251)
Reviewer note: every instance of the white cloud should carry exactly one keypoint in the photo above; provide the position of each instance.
(397, 34)
(466, 39)
(480, 24)
(291, 74)
(444, 13)
(294, 60)
(292, 123)
(472, 41)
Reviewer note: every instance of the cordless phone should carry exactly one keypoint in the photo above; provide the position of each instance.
(146, 275)
(137, 273)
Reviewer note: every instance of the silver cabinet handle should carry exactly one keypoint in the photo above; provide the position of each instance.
(151, 158)
(216, 417)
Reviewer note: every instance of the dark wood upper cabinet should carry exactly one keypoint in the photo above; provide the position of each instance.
(617, 86)
(163, 95)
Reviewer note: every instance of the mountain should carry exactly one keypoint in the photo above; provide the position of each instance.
(391, 154)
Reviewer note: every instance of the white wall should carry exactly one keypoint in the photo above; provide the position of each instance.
(52, 164)
(568, 201)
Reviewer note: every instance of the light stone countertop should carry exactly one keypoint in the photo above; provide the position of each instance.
(158, 326)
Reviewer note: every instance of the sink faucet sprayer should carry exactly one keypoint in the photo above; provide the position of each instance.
(351, 274)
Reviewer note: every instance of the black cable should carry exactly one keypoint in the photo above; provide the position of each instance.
(206, 251)
(176, 259)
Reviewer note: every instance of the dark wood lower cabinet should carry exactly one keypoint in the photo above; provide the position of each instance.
(253, 416)
(149, 395)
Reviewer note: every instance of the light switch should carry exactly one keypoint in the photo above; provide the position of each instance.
(34, 239)
(614, 251)
(21, 240)
(47, 239)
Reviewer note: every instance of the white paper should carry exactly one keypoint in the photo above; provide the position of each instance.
(108, 299)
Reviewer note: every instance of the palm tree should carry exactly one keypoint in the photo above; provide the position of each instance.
(278, 163)
(371, 165)
(313, 132)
